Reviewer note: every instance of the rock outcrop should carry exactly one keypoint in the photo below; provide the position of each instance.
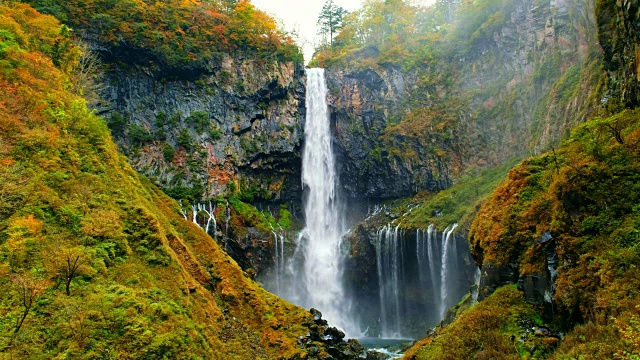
(237, 129)
(514, 89)
(619, 35)
(364, 101)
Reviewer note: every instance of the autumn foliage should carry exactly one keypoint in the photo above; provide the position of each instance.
(586, 196)
(178, 35)
(95, 261)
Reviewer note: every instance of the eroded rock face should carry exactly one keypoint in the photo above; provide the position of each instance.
(363, 103)
(619, 35)
(519, 91)
(239, 127)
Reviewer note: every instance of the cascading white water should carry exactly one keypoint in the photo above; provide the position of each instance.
(390, 280)
(319, 242)
(446, 235)
(432, 241)
(442, 277)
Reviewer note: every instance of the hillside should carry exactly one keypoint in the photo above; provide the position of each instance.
(420, 97)
(206, 99)
(564, 227)
(95, 261)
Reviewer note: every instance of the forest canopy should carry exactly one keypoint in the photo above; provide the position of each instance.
(185, 34)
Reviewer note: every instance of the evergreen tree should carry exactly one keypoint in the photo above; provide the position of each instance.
(330, 20)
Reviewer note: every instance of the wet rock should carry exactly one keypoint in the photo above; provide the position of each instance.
(323, 342)
(545, 238)
(334, 334)
(375, 355)
(541, 331)
(494, 276)
(317, 317)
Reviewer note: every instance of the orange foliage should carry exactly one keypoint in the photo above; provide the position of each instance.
(178, 33)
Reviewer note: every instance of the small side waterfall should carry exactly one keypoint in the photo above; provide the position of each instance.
(278, 254)
(419, 280)
(390, 273)
(445, 268)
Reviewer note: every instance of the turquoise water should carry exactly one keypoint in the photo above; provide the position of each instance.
(390, 347)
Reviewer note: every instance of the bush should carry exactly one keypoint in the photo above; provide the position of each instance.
(168, 152)
(185, 140)
(199, 120)
(139, 134)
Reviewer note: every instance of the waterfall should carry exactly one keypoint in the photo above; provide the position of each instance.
(414, 282)
(432, 237)
(278, 259)
(418, 281)
(389, 260)
(318, 248)
(445, 269)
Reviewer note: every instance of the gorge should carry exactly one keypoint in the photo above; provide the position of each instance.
(175, 183)
(313, 276)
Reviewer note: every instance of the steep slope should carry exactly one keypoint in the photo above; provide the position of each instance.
(564, 226)
(95, 261)
(206, 99)
(418, 99)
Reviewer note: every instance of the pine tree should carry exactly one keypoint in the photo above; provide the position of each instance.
(330, 20)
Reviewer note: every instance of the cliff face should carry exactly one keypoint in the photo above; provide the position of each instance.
(363, 102)
(617, 24)
(511, 86)
(619, 35)
(95, 260)
(236, 129)
(564, 225)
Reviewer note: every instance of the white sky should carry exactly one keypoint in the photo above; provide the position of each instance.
(302, 16)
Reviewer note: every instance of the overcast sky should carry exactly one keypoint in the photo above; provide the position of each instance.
(301, 15)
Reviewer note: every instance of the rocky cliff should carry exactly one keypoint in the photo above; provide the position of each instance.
(616, 24)
(237, 129)
(505, 84)
(235, 132)
(364, 103)
(618, 32)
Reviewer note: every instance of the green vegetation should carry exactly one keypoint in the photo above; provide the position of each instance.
(484, 332)
(117, 124)
(330, 21)
(199, 120)
(175, 34)
(95, 261)
(245, 215)
(585, 194)
(185, 140)
(458, 204)
(138, 134)
(168, 152)
(214, 132)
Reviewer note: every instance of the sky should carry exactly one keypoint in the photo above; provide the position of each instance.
(301, 15)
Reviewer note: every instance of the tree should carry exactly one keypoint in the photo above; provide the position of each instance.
(65, 263)
(330, 20)
(29, 289)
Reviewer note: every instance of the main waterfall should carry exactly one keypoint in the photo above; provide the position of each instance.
(400, 282)
(320, 240)
(315, 271)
